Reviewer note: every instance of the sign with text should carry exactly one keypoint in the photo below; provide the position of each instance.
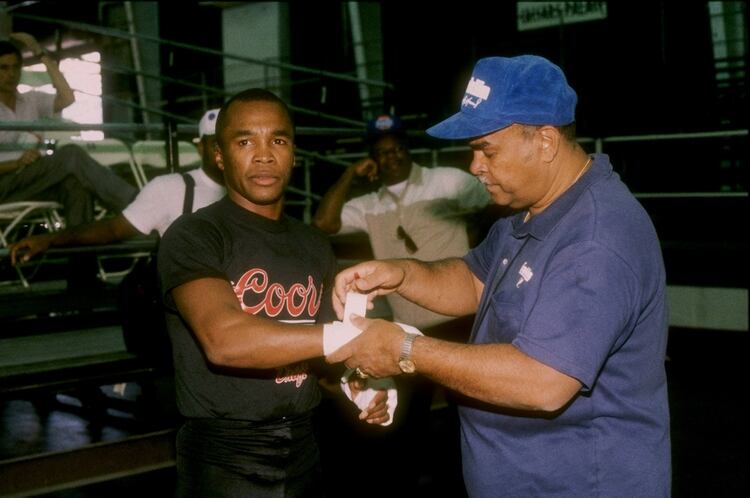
(535, 15)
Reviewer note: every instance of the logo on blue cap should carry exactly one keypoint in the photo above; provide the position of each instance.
(476, 93)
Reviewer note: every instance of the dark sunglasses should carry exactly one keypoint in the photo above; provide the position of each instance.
(408, 241)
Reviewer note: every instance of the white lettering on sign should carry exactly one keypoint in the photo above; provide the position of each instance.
(535, 15)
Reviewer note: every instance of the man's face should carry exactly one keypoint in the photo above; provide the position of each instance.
(393, 159)
(10, 72)
(508, 163)
(256, 153)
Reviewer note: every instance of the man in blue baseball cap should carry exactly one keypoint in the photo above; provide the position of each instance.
(563, 376)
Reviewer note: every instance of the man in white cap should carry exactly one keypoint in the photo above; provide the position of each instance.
(563, 379)
(160, 202)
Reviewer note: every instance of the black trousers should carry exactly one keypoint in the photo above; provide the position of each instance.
(230, 458)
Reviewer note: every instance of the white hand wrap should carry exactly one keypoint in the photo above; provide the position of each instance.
(336, 334)
(372, 385)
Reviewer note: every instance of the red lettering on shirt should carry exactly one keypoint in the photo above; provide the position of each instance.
(296, 374)
(274, 298)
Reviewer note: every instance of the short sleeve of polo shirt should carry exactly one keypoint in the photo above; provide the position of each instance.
(581, 312)
(190, 249)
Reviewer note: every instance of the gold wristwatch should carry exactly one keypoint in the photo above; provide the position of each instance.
(405, 363)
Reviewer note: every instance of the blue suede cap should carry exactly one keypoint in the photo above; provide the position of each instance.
(527, 89)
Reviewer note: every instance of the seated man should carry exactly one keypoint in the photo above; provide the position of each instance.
(69, 176)
(155, 208)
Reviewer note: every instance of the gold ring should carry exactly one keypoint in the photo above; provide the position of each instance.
(359, 373)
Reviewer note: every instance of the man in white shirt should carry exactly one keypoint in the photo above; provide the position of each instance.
(70, 176)
(155, 208)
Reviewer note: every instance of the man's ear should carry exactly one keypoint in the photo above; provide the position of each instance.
(550, 142)
(218, 157)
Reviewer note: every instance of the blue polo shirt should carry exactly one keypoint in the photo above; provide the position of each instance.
(580, 288)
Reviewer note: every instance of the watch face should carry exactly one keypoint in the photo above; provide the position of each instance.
(407, 366)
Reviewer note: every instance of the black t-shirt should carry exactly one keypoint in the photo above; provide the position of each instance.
(282, 270)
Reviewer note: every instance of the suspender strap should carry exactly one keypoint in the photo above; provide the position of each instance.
(187, 205)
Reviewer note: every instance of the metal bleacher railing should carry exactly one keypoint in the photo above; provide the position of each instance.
(174, 124)
(311, 158)
(174, 161)
(136, 37)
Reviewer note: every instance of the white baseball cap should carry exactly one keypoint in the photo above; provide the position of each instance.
(207, 125)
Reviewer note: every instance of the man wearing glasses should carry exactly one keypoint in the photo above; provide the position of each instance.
(420, 213)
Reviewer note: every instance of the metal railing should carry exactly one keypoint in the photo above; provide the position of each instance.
(312, 158)
(125, 35)
(306, 161)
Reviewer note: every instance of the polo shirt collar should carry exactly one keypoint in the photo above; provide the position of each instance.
(541, 225)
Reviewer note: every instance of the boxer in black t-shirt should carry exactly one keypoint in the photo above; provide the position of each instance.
(246, 289)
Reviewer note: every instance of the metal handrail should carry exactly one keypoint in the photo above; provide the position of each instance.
(116, 33)
(138, 127)
(340, 159)
(306, 192)
(279, 65)
(599, 142)
(217, 92)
